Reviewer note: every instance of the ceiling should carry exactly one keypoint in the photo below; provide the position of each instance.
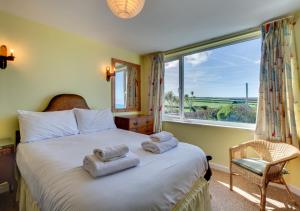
(162, 25)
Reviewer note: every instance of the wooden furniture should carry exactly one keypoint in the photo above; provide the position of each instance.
(7, 162)
(131, 84)
(136, 123)
(269, 167)
(66, 102)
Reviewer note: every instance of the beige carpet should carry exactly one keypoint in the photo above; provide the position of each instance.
(245, 195)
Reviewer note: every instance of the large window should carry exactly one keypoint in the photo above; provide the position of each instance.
(216, 85)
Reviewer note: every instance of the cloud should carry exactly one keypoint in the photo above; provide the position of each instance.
(173, 64)
(257, 61)
(198, 58)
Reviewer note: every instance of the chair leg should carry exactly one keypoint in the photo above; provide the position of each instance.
(230, 178)
(288, 190)
(263, 195)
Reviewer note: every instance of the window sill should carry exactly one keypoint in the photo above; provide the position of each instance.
(236, 125)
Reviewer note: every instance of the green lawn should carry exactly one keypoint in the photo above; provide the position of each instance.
(215, 103)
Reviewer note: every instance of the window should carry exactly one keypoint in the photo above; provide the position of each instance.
(219, 84)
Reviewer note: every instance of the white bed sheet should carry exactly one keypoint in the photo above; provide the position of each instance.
(53, 172)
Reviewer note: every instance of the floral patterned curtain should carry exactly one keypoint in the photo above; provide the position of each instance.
(156, 90)
(279, 84)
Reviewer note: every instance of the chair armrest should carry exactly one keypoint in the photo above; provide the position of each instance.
(279, 162)
(286, 159)
(238, 150)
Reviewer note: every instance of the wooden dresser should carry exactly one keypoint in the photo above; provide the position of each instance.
(136, 123)
(7, 162)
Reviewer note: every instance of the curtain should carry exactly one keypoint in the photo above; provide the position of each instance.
(279, 84)
(132, 88)
(156, 90)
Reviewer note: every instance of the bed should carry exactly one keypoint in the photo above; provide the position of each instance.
(52, 177)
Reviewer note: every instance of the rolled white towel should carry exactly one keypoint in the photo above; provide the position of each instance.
(159, 147)
(161, 136)
(97, 168)
(111, 153)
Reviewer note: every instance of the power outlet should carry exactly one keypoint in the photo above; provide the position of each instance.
(4, 187)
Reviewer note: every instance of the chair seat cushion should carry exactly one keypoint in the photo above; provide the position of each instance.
(254, 165)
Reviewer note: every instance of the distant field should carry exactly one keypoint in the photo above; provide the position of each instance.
(217, 102)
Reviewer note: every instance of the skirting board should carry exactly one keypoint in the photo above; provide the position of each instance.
(225, 169)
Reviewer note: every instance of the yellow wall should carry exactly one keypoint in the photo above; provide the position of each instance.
(48, 62)
(217, 140)
(213, 140)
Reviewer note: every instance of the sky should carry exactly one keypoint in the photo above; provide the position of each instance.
(220, 72)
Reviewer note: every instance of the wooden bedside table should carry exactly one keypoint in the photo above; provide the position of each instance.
(7, 162)
(136, 123)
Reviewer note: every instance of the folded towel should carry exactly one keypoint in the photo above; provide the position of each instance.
(97, 168)
(161, 136)
(159, 147)
(111, 153)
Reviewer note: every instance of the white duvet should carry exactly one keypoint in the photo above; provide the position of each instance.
(53, 172)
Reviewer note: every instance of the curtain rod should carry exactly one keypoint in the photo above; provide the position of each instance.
(279, 19)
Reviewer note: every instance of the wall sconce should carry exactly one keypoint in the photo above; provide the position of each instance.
(109, 74)
(4, 58)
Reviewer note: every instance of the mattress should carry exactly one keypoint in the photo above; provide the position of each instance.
(52, 170)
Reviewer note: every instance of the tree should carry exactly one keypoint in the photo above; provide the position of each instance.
(192, 102)
(188, 101)
(169, 96)
(175, 103)
(172, 101)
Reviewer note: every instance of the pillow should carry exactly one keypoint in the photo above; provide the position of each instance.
(90, 121)
(35, 126)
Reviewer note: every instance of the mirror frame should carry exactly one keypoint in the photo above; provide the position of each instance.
(138, 68)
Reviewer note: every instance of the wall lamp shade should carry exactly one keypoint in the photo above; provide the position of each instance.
(109, 74)
(125, 8)
(4, 57)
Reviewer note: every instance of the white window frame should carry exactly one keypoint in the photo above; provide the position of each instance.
(179, 54)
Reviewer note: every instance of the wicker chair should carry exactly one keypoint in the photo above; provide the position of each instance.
(268, 168)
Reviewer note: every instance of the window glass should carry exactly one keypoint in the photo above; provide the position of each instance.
(171, 100)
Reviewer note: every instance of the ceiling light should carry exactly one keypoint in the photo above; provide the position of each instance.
(125, 8)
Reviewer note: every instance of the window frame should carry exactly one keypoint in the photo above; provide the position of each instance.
(179, 54)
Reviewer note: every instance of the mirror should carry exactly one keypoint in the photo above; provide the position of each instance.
(126, 86)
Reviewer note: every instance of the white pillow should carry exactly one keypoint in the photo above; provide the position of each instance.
(90, 121)
(35, 126)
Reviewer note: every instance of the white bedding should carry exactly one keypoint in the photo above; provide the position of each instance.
(53, 172)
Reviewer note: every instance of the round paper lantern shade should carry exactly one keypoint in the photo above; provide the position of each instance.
(126, 8)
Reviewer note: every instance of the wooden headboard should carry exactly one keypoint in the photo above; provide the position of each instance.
(66, 102)
(62, 102)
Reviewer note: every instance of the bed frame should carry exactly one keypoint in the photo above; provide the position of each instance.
(69, 101)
